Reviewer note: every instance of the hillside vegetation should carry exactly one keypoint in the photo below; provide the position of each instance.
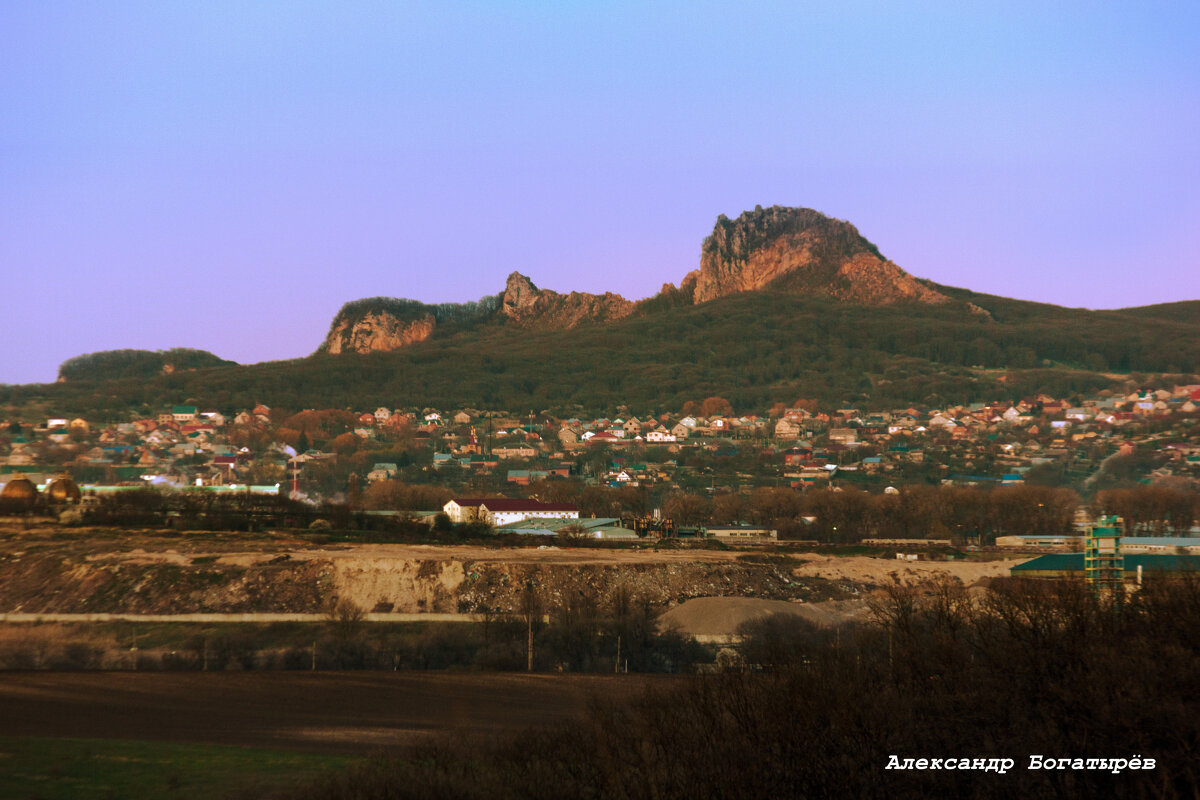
(752, 348)
(787, 303)
(110, 364)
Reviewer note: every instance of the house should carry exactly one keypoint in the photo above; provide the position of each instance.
(382, 471)
(215, 418)
(514, 451)
(786, 429)
(845, 436)
(524, 477)
(382, 415)
(227, 463)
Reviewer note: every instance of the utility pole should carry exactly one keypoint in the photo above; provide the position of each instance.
(617, 663)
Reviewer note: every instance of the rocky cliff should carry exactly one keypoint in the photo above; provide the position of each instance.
(379, 324)
(801, 251)
(523, 302)
(379, 331)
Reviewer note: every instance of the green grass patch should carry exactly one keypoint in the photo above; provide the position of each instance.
(99, 768)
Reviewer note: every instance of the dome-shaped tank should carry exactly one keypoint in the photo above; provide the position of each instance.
(63, 490)
(19, 494)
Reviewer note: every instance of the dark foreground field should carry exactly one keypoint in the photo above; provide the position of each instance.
(330, 712)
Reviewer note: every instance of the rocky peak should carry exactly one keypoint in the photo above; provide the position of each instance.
(801, 251)
(523, 302)
(519, 294)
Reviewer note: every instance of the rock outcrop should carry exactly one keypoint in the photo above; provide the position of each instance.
(522, 302)
(377, 332)
(800, 251)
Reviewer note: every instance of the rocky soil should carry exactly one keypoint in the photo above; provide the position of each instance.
(148, 573)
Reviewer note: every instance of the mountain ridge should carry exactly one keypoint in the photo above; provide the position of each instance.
(793, 250)
(800, 331)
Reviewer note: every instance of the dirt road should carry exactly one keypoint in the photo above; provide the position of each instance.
(861, 569)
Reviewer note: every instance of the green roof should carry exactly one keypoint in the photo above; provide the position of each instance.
(1073, 562)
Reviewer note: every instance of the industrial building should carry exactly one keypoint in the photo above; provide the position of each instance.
(1066, 565)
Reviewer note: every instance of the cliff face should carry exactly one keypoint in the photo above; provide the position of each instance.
(800, 251)
(377, 332)
(388, 323)
(524, 303)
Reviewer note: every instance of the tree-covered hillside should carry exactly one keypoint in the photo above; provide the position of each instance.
(754, 349)
(136, 363)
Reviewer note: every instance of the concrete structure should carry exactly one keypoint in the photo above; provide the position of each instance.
(1165, 545)
(1066, 541)
(737, 534)
(1103, 562)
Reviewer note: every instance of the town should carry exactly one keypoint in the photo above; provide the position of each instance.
(704, 465)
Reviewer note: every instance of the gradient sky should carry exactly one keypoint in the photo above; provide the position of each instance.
(226, 175)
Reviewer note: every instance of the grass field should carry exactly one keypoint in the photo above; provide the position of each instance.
(67, 769)
(213, 735)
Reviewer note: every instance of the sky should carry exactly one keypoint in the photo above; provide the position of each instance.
(225, 175)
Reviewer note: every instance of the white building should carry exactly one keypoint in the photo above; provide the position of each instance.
(497, 511)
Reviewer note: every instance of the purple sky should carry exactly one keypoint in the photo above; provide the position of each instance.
(226, 175)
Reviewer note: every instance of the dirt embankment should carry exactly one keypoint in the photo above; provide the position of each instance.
(382, 578)
(879, 571)
(55, 574)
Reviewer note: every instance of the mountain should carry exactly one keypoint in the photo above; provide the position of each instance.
(136, 363)
(786, 304)
(800, 251)
(792, 250)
